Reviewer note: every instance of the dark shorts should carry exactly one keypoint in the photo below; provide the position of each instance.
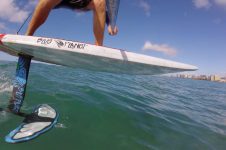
(73, 4)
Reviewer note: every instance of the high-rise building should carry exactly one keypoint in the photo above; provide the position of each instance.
(215, 78)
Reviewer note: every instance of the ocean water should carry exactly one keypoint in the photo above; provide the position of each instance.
(103, 111)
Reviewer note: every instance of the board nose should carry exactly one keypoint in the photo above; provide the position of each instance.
(1, 37)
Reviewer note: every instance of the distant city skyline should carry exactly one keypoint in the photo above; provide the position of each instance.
(214, 78)
(191, 31)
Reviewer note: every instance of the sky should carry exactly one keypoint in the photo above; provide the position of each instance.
(188, 31)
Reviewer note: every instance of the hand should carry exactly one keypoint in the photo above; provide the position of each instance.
(112, 31)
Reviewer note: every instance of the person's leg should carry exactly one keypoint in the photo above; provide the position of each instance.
(40, 15)
(99, 19)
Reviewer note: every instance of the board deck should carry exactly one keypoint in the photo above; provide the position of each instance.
(87, 56)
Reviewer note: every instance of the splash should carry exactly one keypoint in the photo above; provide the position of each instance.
(5, 87)
(60, 125)
(5, 84)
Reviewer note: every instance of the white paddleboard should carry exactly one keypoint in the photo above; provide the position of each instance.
(88, 56)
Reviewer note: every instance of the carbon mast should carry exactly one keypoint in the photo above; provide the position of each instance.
(20, 84)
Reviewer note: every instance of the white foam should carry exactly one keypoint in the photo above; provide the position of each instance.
(60, 125)
(5, 87)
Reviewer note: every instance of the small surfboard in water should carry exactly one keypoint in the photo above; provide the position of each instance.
(88, 56)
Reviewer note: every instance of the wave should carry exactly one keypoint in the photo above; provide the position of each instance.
(159, 107)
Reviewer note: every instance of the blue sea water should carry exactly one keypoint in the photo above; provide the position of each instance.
(103, 111)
